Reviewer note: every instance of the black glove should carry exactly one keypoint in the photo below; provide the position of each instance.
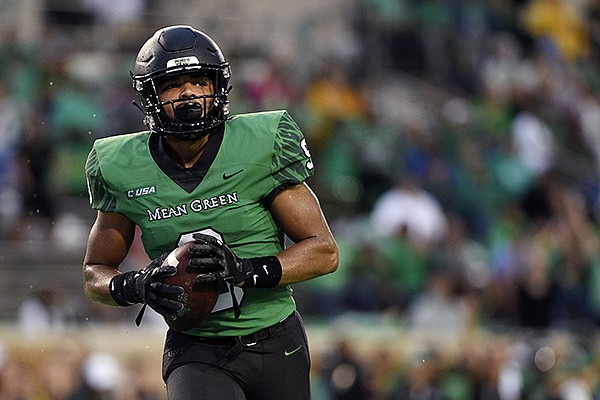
(215, 260)
(144, 286)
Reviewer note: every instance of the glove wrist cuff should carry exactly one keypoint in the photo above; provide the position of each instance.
(267, 272)
(118, 290)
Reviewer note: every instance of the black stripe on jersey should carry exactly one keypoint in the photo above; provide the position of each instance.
(187, 178)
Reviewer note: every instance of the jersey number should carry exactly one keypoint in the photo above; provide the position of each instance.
(309, 163)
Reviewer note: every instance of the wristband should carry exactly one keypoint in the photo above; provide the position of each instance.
(267, 272)
(116, 288)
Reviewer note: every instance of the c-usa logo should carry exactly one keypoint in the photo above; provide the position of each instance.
(143, 191)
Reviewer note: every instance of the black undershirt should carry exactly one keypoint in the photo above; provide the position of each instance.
(187, 178)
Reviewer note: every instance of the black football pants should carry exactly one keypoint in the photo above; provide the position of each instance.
(272, 364)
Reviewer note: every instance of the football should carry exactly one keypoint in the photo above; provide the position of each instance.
(200, 297)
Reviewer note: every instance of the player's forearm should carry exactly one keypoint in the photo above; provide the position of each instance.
(96, 281)
(308, 259)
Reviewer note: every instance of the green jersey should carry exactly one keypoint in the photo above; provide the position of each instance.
(226, 194)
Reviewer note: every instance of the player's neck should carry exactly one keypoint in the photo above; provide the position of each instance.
(185, 153)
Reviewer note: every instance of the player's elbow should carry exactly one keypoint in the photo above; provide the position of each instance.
(332, 257)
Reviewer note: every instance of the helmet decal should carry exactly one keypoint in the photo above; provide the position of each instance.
(176, 62)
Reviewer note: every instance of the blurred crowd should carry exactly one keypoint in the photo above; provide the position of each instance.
(67, 370)
(457, 146)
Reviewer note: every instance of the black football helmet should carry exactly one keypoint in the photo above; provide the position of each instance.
(178, 50)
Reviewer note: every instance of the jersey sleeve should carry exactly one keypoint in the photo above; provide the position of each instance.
(291, 162)
(101, 197)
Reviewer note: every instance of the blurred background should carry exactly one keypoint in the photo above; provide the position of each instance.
(457, 150)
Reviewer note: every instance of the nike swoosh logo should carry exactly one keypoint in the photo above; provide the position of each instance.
(225, 176)
(289, 353)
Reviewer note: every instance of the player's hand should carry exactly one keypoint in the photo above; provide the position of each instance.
(157, 295)
(215, 260)
(144, 286)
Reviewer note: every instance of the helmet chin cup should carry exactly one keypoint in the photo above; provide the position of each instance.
(183, 132)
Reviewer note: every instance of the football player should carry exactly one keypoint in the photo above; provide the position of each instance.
(235, 186)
